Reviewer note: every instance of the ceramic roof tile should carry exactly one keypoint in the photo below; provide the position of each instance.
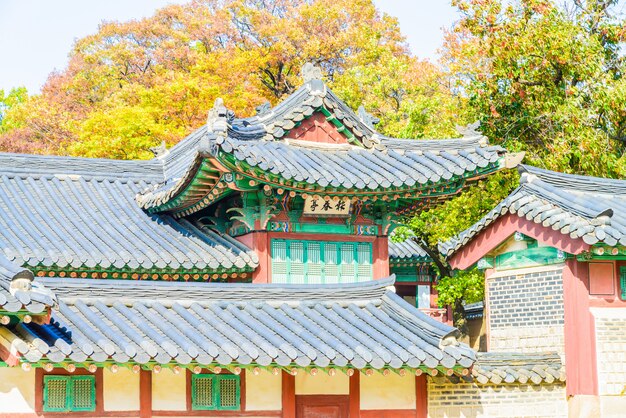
(499, 368)
(590, 208)
(407, 250)
(350, 325)
(19, 293)
(69, 213)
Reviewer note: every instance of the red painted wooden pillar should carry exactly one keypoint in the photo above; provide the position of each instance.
(145, 394)
(258, 241)
(380, 251)
(421, 397)
(289, 395)
(355, 395)
(580, 343)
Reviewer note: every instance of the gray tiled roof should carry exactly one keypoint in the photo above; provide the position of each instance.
(30, 297)
(356, 325)
(407, 250)
(260, 142)
(590, 208)
(498, 368)
(80, 213)
(414, 165)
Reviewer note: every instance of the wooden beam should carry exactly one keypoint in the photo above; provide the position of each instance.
(421, 397)
(580, 358)
(355, 395)
(289, 395)
(145, 394)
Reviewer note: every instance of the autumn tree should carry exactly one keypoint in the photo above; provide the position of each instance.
(134, 84)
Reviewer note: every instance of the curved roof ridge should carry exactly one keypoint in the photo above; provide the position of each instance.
(576, 182)
(32, 165)
(203, 291)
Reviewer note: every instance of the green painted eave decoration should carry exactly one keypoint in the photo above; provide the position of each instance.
(236, 369)
(530, 257)
(205, 274)
(603, 252)
(204, 181)
(409, 262)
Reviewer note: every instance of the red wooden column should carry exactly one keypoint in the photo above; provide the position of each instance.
(355, 395)
(145, 394)
(580, 342)
(380, 251)
(258, 241)
(289, 395)
(421, 397)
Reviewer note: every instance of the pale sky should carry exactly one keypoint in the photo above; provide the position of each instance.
(37, 35)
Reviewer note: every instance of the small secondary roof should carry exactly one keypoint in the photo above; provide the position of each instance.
(582, 207)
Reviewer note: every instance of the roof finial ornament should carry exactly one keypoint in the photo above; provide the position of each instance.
(310, 72)
(159, 150)
(367, 118)
(218, 116)
(469, 130)
(263, 109)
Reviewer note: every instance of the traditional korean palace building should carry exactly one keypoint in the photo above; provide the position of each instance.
(247, 272)
(554, 253)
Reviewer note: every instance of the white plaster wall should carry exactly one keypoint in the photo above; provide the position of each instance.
(263, 392)
(169, 391)
(121, 390)
(17, 390)
(387, 392)
(322, 384)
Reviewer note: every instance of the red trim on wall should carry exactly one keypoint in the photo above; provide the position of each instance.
(421, 397)
(507, 225)
(355, 395)
(580, 343)
(388, 413)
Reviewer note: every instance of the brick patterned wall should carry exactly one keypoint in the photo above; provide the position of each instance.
(610, 326)
(471, 400)
(526, 311)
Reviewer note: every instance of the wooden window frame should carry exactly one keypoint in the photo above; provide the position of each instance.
(40, 375)
(339, 252)
(214, 412)
(215, 392)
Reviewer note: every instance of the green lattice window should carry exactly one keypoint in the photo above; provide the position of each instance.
(316, 262)
(215, 392)
(69, 393)
(622, 282)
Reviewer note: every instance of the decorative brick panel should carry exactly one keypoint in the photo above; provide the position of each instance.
(610, 324)
(526, 312)
(471, 400)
